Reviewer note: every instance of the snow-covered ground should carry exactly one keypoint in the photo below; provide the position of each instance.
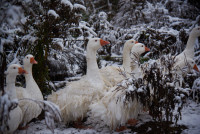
(190, 118)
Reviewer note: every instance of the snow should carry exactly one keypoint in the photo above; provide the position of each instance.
(140, 90)
(102, 16)
(15, 60)
(130, 88)
(29, 38)
(59, 42)
(15, 15)
(117, 37)
(68, 3)
(190, 118)
(79, 6)
(83, 25)
(178, 98)
(52, 12)
(6, 105)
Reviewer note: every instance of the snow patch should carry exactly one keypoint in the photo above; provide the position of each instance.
(52, 12)
(59, 42)
(68, 3)
(79, 6)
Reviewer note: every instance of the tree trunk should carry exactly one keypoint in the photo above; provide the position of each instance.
(2, 70)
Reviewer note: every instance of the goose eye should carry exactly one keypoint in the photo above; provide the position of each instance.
(95, 40)
(14, 67)
(132, 41)
(27, 57)
(198, 28)
(142, 46)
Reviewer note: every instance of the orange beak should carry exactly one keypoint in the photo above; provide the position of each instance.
(196, 68)
(147, 49)
(33, 61)
(21, 71)
(103, 42)
(136, 42)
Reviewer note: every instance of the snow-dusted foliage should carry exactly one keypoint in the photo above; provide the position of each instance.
(6, 105)
(52, 112)
(155, 23)
(48, 34)
(53, 13)
(162, 89)
(56, 33)
(196, 90)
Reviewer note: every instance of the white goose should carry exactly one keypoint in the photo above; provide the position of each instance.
(136, 51)
(15, 114)
(75, 98)
(111, 73)
(112, 110)
(178, 66)
(185, 62)
(189, 50)
(30, 109)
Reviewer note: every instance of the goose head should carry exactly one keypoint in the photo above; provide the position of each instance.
(189, 62)
(195, 31)
(129, 44)
(15, 70)
(139, 48)
(192, 64)
(96, 43)
(29, 60)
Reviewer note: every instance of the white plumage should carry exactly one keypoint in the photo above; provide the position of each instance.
(75, 98)
(112, 109)
(189, 50)
(30, 109)
(15, 114)
(111, 73)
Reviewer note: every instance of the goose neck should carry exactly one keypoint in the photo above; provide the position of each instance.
(10, 86)
(28, 76)
(92, 67)
(126, 59)
(134, 64)
(191, 43)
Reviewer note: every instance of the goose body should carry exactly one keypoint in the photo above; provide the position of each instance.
(189, 50)
(75, 98)
(111, 74)
(30, 109)
(178, 66)
(111, 108)
(15, 114)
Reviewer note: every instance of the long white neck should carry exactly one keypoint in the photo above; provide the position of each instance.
(126, 59)
(29, 76)
(135, 68)
(31, 85)
(10, 86)
(191, 43)
(135, 59)
(92, 67)
(189, 50)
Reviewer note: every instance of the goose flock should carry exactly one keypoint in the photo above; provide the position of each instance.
(94, 92)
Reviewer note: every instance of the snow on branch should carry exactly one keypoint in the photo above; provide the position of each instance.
(6, 105)
(52, 112)
(78, 6)
(67, 3)
(52, 12)
(83, 25)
